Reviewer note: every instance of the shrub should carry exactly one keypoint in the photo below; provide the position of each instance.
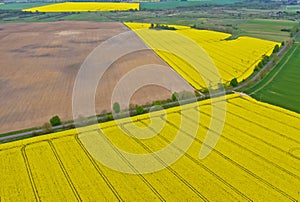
(234, 82)
(109, 117)
(276, 49)
(175, 97)
(55, 121)
(47, 128)
(139, 110)
(116, 107)
(157, 102)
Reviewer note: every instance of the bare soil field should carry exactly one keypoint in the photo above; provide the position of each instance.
(39, 63)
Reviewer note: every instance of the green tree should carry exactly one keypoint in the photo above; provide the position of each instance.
(139, 109)
(116, 107)
(157, 102)
(55, 121)
(276, 49)
(234, 82)
(265, 60)
(109, 117)
(175, 97)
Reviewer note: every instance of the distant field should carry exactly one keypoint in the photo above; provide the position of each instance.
(293, 7)
(20, 6)
(281, 86)
(266, 29)
(205, 19)
(84, 7)
(233, 58)
(176, 4)
(256, 159)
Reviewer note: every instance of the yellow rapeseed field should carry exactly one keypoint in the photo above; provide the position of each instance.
(256, 158)
(182, 51)
(85, 7)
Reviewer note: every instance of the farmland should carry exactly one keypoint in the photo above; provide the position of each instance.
(280, 87)
(176, 4)
(20, 6)
(259, 23)
(233, 58)
(84, 7)
(266, 29)
(256, 159)
(50, 55)
(120, 77)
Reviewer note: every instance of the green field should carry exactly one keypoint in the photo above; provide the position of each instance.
(293, 7)
(20, 6)
(266, 29)
(176, 4)
(281, 86)
(144, 5)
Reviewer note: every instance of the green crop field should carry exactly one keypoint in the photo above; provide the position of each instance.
(266, 29)
(20, 6)
(172, 4)
(281, 86)
(295, 7)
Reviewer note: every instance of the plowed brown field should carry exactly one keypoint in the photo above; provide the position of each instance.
(39, 63)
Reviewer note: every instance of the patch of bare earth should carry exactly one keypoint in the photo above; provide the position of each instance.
(39, 63)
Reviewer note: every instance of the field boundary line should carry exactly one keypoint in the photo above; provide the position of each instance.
(62, 167)
(133, 168)
(29, 173)
(100, 172)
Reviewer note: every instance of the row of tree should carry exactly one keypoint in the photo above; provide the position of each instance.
(160, 26)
